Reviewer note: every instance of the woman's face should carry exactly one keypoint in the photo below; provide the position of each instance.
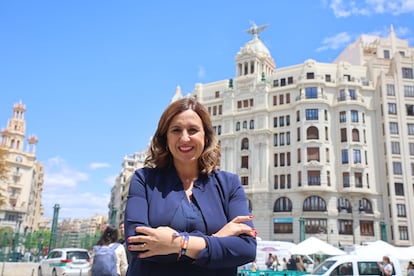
(185, 137)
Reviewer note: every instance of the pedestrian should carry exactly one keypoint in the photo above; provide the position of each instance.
(269, 261)
(284, 264)
(291, 265)
(122, 241)
(386, 266)
(108, 256)
(410, 268)
(183, 215)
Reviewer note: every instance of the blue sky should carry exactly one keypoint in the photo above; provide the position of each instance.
(95, 75)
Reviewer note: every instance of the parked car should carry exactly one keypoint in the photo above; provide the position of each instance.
(65, 261)
(354, 265)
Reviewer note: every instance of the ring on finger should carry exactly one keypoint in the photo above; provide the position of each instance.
(144, 245)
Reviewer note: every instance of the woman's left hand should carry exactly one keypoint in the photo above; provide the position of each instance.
(154, 241)
(236, 227)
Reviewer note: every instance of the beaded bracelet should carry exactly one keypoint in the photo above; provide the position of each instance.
(184, 243)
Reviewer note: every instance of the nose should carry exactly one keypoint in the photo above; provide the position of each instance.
(185, 136)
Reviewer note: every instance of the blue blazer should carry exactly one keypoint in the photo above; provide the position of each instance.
(153, 198)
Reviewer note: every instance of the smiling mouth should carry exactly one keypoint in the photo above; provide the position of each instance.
(185, 149)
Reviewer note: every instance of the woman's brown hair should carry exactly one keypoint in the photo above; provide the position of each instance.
(158, 154)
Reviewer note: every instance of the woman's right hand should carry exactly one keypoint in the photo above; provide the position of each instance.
(236, 227)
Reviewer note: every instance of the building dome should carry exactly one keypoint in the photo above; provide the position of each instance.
(254, 47)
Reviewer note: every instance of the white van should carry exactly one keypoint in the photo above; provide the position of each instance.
(353, 265)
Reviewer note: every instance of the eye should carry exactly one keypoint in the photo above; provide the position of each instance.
(175, 130)
(193, 130)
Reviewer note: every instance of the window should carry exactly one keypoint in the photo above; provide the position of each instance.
(343, 135)
(393, 128)
(314, 178)
(237, 126)
(315, 226)
(345, 156)
(274, 121)
(312, 133)
(282, 181)
(281, 121)
(281, 101)
(275, 160)
(313, 154)
(342, 95)
(342, 116)
(410, 129)
(299, 178)
(244, 180)
(290, 81)
(401, 212)
(245, 162)
(357, 156)
(275, 139)
(311, 92)
(298, 156)
(395, 147)
(328, 78)
(314, 203)
(244, 124)
(282, 227)
(355, 135)
(282, 139)
(245, 144)
(403, 230)
(358, 179)
(298, 116)
(366, 228)
(399, 189)
(392, 108)
(397, 168)
(311, 114)
(288, 96)
(251, 125)
(276, 182)
(390, 90)
(354, 116)
(288, 138)
(310, 75)
(345, 180)
(365, 206)
(344, 206)
(282, 159)
(409, 90)
(387, 54)
(407, 73)
(410, 109)
(345, 227)
(352, 94)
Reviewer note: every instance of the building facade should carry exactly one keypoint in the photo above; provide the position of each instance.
(22, 189)
(322, 149)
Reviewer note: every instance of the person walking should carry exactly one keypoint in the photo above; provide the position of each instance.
(108, 256)
(183, 215)
(386, 266)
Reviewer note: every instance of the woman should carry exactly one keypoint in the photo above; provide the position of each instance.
(102, 264)
(386, 266)
(183, 215)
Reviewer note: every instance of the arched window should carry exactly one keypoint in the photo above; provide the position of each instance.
(282, 204)
(314, 204)
(251, 124)
(344, 206)
(237, 126)
(244, 124)
(312, 133)
(245, 144)
(365, 206)
(355, 135)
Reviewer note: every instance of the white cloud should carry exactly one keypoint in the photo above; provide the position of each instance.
(335, 42)
(58, 174)
(201, 73)
(75, 204)
(368, 7)
(98, 165)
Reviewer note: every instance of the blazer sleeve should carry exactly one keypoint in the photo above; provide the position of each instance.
(222, 252)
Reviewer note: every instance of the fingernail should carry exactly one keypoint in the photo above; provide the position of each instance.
(251, 216)
(129, 247)
(129, 239)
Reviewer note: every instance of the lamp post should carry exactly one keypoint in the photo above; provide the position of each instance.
(301, 229)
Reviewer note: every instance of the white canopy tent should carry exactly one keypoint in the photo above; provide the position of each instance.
(381, 248)
(314, 245)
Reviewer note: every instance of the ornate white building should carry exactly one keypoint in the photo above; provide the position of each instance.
(329, 146)
(22, 190)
